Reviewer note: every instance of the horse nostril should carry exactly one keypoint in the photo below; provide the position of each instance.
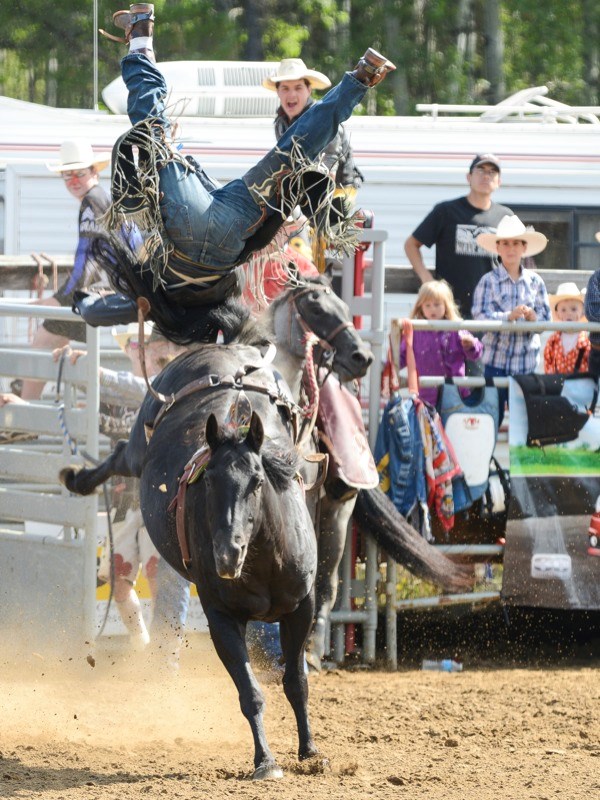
(361, 357)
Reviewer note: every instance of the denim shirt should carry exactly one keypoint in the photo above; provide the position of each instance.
(399, 455)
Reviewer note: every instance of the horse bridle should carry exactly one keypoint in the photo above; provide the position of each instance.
(326, 344)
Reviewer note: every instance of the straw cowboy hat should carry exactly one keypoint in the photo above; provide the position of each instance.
(566, 291)
(294, 69)
(75, 154)
(511, 227)
(123, 337)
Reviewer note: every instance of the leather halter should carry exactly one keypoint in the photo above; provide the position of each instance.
(326, 344)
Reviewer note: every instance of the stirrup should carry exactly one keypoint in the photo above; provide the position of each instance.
(127, 19)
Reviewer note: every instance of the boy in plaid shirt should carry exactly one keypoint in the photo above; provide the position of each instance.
(510, 293)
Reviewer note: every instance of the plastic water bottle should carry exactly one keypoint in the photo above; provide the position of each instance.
(445, 665)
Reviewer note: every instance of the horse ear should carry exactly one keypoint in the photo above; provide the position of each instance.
(256, 433)
(212, 432)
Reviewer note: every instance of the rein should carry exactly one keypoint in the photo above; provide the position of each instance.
(310, 340)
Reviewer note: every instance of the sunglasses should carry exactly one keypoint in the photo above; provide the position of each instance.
(76, 173)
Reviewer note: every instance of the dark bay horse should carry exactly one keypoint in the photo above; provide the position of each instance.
(314, 307)
(248, 540)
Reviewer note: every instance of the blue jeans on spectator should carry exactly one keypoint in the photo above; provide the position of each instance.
(498, 372)
(211, 227)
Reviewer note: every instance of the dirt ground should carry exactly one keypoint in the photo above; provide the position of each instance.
(70, 731)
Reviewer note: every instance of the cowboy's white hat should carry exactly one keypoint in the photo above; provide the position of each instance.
(75, 154)
(294, 69)
(566, 291)
(597, 235)
(511, 227)
(122, 337)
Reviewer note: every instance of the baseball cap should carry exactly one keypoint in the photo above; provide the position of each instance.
(485, 158)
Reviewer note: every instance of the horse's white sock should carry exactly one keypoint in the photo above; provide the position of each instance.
(141, 43)
(131, 614)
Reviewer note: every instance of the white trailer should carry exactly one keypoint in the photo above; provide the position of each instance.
(550, 156)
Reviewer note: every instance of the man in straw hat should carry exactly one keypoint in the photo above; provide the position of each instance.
(294, 84)
(592, 312)
(207, 231)
(510, 293)
(565, 351)
(79, 168)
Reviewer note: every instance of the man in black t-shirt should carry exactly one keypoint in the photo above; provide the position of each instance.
(453, 226)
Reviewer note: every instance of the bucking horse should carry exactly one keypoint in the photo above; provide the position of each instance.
(222, 492)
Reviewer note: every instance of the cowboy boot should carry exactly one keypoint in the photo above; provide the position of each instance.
(138, 21)
(372, 68)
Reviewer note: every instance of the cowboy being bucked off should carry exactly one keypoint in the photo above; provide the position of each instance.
(198, 233)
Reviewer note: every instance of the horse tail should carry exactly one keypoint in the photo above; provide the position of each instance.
(375, 514)
(182, 324)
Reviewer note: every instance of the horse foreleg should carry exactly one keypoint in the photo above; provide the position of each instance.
(85, 481)
(229, 639)
(294, 629)
(333, 523)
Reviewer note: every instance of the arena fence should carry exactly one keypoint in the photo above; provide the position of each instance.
(47, 537)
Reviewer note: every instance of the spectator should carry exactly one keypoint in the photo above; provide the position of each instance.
(439, 352)
(510, 293)
(567, 352)
(453, 226)
(592, 312)
(294, 84)
(79, 168)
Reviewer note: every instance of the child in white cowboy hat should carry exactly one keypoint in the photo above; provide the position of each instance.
(510, 293)
(567, 351)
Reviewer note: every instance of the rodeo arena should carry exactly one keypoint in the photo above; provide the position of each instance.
(255, 509)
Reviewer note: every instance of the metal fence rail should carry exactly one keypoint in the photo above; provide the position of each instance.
(47, 581)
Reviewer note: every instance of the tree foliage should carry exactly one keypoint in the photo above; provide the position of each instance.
(445, 50)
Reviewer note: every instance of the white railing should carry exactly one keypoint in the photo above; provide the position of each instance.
(48, 581)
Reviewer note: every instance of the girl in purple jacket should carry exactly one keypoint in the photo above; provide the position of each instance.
(440, 353)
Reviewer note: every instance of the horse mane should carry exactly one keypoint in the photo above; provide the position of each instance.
(182, 325)
(280, 466)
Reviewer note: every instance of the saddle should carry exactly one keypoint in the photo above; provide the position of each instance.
(342, 434)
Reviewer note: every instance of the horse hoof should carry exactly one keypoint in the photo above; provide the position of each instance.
(66, 476)
(267, 772)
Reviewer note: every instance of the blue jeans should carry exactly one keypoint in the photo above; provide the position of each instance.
(211, 227)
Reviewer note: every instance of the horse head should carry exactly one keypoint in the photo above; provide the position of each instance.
(314, 307)
(234, 479)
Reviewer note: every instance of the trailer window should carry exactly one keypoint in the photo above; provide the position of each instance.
(571, 235)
